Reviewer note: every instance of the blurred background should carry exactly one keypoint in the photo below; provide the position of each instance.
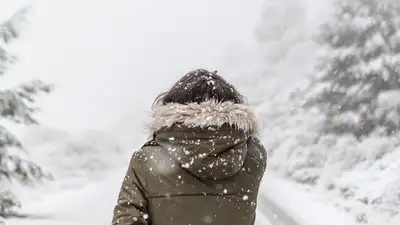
(78, 78)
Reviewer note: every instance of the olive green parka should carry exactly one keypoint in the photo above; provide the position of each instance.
(203, 166)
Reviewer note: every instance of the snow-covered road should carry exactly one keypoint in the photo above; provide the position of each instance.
(269, 210)
(93, 204)
(280, 203)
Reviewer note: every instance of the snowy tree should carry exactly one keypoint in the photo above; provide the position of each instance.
(359, 68)
(16, 105)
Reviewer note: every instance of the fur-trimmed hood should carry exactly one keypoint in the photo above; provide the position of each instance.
(209, 139)
(205, 114)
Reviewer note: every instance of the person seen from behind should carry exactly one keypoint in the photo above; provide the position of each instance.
(204, 163)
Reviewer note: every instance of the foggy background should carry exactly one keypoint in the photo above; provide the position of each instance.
(108, 60)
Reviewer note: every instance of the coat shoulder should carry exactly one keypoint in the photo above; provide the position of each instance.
(258, 154)
(149, 157)
(148, 151)
(257, 149)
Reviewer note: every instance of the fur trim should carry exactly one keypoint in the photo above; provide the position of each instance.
(209, 113)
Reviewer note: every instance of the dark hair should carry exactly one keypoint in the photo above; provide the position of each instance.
(199, 86)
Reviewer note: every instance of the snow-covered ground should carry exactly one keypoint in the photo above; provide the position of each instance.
(304, 207)
(93, 203)
(90, 204)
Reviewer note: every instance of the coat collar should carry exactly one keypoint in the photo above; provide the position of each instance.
(205, 114)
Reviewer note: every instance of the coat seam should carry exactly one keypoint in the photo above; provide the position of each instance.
(198, 195)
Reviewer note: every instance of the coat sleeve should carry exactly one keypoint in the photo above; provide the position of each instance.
(132, 205)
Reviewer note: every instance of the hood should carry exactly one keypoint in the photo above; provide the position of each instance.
(208, 139)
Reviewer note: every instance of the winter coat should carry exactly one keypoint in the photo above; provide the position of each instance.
(204, 166)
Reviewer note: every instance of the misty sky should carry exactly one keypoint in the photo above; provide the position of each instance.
(109, 59)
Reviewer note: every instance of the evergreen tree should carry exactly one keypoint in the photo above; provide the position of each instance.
(16, 105)
(359, 66)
